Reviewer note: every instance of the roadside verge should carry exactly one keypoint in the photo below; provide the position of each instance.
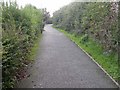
(94, 60)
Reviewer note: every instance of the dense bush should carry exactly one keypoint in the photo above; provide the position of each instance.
(20, 27)
(97, 19)
(93, 24)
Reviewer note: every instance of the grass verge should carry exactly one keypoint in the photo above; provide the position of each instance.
(108, 62)
(34, 49)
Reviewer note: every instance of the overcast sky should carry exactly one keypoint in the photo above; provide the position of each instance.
(51, 5)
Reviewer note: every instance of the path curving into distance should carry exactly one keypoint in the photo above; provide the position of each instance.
(62, 64)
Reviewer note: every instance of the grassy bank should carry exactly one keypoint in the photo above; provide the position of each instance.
(107, 61)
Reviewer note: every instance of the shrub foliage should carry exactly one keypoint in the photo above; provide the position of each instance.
(97, 19)
(20, 27)
(93, 24)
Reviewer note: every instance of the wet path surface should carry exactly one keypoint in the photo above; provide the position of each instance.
(61, 64)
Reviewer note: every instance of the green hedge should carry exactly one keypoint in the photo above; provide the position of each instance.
(20, 28)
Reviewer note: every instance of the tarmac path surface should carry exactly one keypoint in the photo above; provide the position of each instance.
(60, 63)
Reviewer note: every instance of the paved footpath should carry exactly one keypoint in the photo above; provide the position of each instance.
(61, 64)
